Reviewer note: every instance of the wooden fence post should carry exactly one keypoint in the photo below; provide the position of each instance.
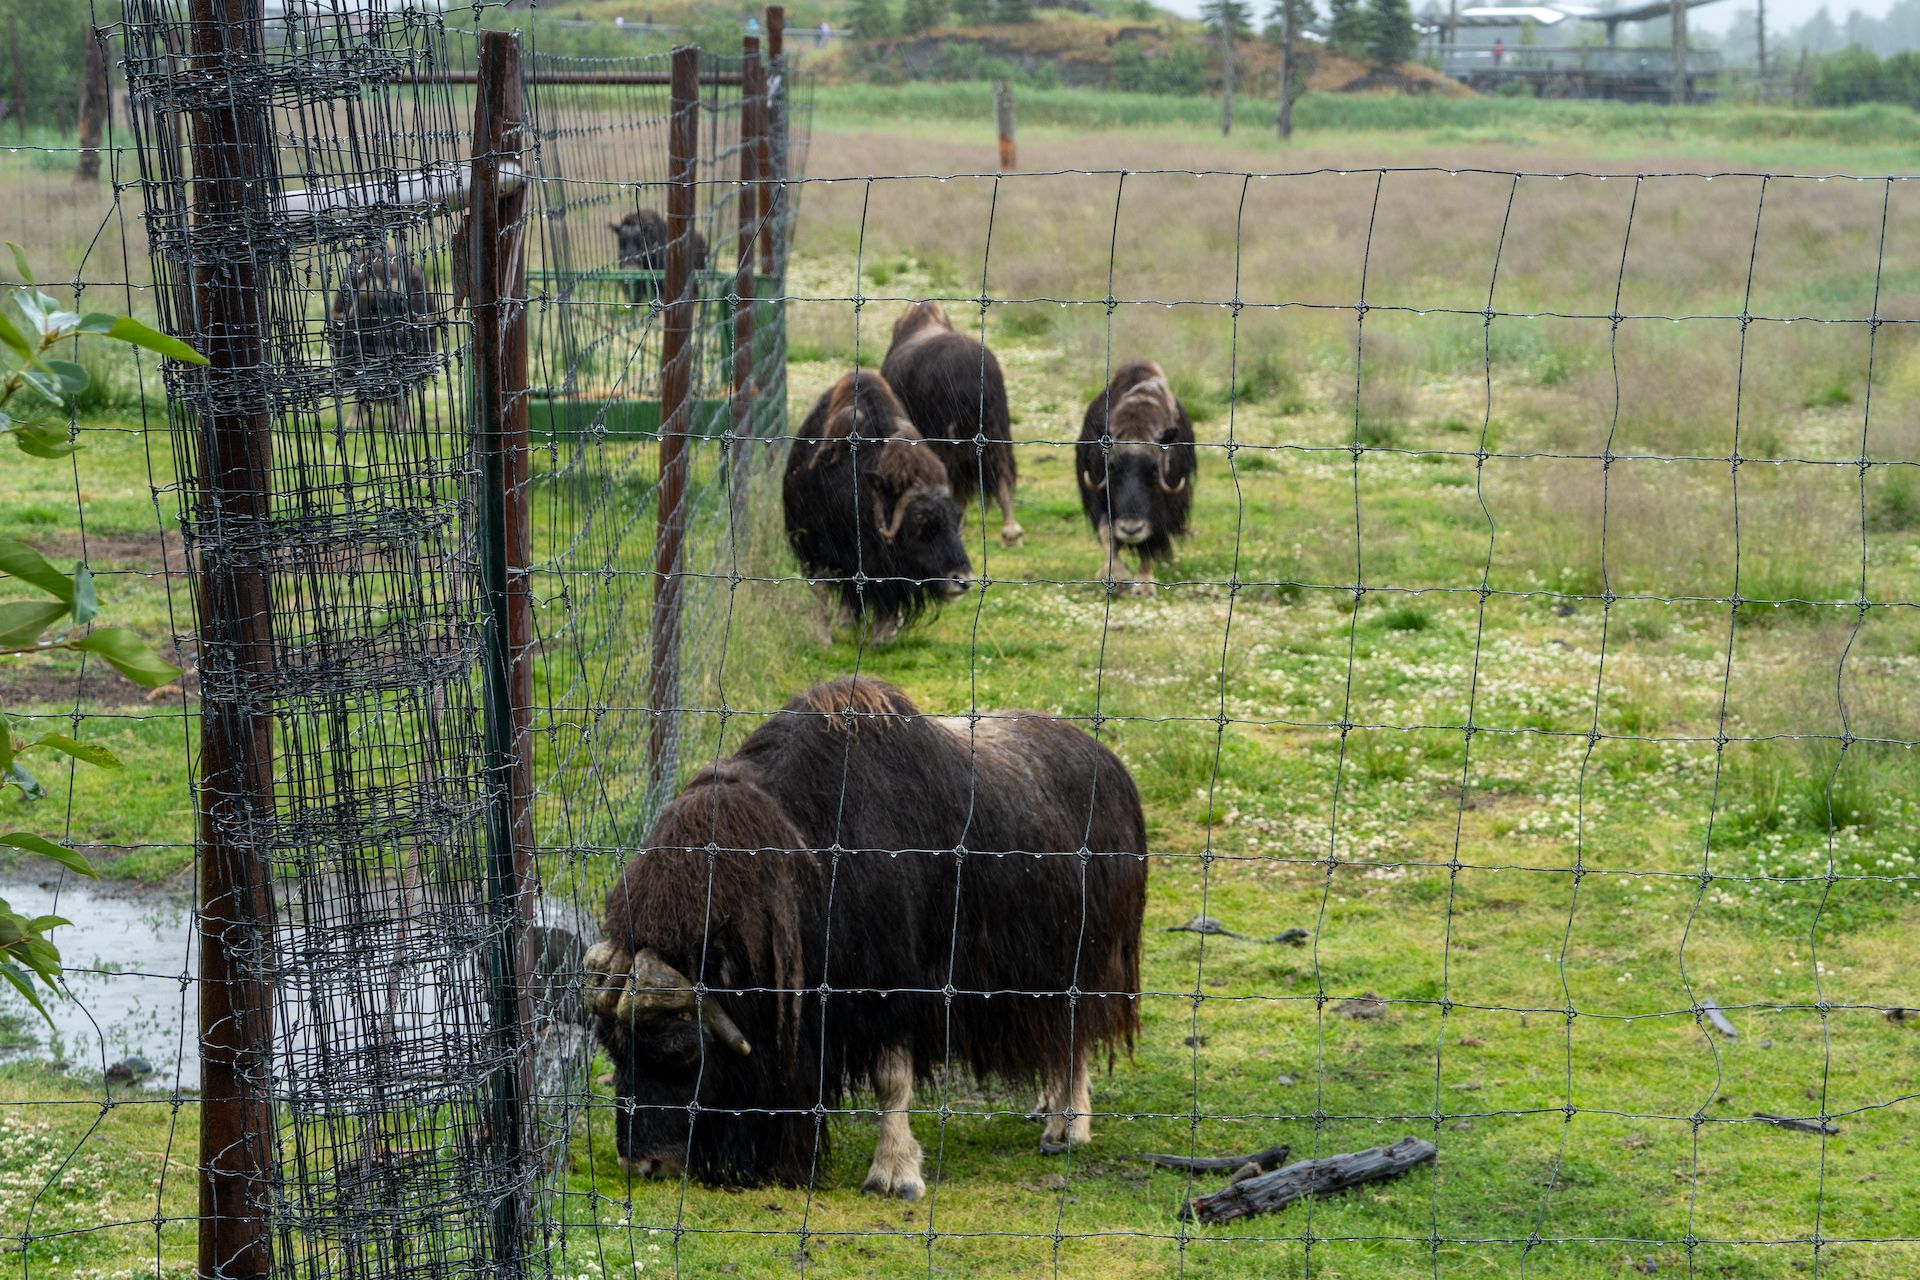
(496, 288)
(772, 133)
(1003, 119)
(753, 119)
(233, 443)
(676, 380)
(93, 105)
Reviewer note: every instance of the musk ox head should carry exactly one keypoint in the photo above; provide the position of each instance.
(642, 236)
(1146, 467)
(912, 520)
(694, 990)
(927, 317)
(915, 516)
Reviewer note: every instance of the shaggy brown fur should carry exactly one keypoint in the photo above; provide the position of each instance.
(816, 854)
(869, 513)
(953, 390)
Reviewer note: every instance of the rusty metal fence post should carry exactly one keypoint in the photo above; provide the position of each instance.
(496, 286)
(676, 380)
(233, 456)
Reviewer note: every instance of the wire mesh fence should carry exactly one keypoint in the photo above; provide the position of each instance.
(1440, 687)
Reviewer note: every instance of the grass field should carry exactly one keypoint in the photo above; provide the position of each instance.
(1299, 744)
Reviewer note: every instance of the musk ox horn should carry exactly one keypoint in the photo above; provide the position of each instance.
(1170, 488)
(656, 989)
(891, 529)
(607, 968)
(1086, 478)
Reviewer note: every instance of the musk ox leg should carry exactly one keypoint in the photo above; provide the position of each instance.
(827, 611)
(1115, 571)
(885, 629)
(1071, 1124)
(1143, 583)
(896, 1157)
(1010, 530)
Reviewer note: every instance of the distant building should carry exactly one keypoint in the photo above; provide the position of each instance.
(1502, 49)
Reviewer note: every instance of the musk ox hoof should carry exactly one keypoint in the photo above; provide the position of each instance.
(1144, 588)
(1052, 1147)
(900, 1186)
(1011, 535)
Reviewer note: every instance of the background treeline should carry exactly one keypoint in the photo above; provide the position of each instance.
(42, 48)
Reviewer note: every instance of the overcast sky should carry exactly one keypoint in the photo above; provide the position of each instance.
(1713, 17)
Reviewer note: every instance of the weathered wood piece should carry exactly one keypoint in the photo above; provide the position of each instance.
(1718, 1019)
(1277, 1190)
(1271, 1158)
(1795, 1122)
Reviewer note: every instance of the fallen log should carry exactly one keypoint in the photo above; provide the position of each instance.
(1277, 1190)
(1794, 1122)
(1271, 1158)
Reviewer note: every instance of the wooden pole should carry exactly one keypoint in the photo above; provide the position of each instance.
(676, 379)
(1679, 54)
(19, 85)
(1226, 75)
(233, 441)
(753, 121)
(93, 105)
(1283, 123)
(496, 288)
(1003, 121)
(773, 84)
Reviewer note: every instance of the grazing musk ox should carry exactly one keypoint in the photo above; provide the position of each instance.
(1136, 463)
(954, 393)
(382, 329)
(822, 853)
(865, 495)
(642, 237)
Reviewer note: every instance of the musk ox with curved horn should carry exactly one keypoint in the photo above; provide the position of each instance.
(1136, 463)
(642, 238)
(802, 919)
(954, 393)
(869, 511)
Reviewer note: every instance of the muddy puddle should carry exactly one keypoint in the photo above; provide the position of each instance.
(131, 954)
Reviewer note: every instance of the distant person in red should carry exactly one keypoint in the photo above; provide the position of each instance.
(1499, 50)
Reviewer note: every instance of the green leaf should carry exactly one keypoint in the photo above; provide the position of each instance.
(90, 753)
(46, 384)
(21, 561)
(86, 602)
(40, 924)
(73, 378)
(44, 440)
(22, 621)
(18, 979)
(6, 745)
(11, 335)
(132, 331)
(30, 788)
(130, 656)
(39, 955)
(95, 322)
(30, 843)
(20, 262)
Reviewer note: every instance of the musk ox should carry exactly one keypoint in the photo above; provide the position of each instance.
(1136, 465)
(954, 394)
(642, 237)
(835, 902)
(382, 329)
(870, 514)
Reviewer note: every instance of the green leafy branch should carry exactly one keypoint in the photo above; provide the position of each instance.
(61, 616)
